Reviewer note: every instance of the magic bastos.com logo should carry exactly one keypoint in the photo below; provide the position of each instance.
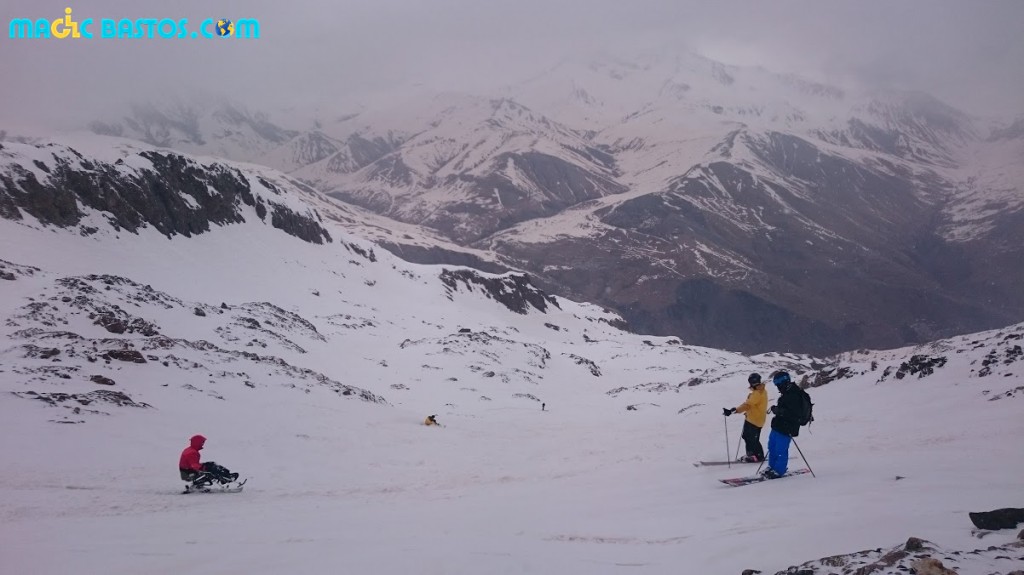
(67, 27)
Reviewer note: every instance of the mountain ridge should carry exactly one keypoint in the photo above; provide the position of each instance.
(932, 193)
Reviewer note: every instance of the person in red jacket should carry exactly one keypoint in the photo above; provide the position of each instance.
(201, 474)
(189, 464)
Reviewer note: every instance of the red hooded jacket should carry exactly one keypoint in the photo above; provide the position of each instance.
(190, 457)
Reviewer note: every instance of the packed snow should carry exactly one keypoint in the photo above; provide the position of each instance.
(599, 481)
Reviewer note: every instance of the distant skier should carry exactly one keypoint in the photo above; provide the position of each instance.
(785, 423)
(756, 409)
(431, 420)
(543, 406)
(201, 474)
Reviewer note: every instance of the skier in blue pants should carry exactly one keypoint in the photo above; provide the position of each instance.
(785, 425)
(778, 454)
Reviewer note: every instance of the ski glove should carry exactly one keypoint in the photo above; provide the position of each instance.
(772, 410)
(727, 411)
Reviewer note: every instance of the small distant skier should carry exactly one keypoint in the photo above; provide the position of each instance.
(785, 424)
(756, 409)
(543, 406)
(431, 420)
(201, 474)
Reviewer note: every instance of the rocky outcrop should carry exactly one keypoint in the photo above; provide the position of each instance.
(587, 363)
(919, 365)
(826, 376)
(300, 226)
(126, 355)
(76, 406)
(11, 271)
(1005, 353)
(514, 291)
(916, 556)
(173, 193)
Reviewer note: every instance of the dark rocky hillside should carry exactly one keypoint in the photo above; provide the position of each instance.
(173, 193)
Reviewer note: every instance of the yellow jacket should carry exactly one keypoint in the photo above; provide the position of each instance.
(756, 406)
(431, 421)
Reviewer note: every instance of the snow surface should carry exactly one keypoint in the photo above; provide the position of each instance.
(600, 482)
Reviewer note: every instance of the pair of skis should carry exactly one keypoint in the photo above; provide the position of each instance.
(739, 481)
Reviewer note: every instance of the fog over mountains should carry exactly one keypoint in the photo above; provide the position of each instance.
(730, 206)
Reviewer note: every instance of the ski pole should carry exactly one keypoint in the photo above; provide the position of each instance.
(804, 458)
(738, 442)
(760, 465)
(726, 421)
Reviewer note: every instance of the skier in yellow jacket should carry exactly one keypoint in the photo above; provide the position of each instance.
(756, 409)
(431, 420)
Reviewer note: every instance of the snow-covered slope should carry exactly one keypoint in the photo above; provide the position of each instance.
(991, 191)
(310, 366)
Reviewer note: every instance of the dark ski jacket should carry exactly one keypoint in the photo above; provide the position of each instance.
(787, 409)
(190, 457)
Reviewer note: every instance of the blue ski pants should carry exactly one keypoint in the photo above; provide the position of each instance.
(778, 451)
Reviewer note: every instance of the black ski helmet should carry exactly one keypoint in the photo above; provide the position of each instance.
(754, 379)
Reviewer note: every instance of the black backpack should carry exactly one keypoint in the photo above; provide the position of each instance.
(806, 413)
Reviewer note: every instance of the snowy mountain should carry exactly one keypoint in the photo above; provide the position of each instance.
(696, 199)
(756, 197)
(144, 298)
(479, 166)
(206, 126)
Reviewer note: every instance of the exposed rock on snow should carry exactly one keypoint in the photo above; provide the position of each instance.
(514, 291)
(174, 193)
(117, 398)
(916, 556)
(589, 364)
(919, 365)
(103, 298)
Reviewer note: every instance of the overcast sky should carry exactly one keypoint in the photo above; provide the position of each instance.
(968, 53)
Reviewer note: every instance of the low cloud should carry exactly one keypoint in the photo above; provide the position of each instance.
(968, 54)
